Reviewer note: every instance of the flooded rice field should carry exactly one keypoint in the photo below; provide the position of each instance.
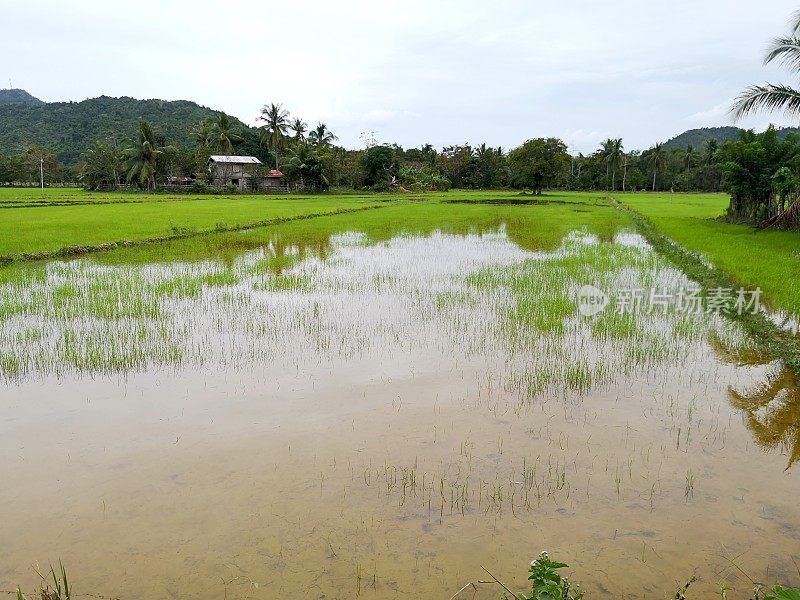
(339, 416)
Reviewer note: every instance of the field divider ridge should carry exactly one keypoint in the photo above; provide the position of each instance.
(180, 234)
(771, 338)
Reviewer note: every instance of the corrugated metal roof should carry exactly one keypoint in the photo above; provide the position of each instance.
(275, 173)
(237, 160)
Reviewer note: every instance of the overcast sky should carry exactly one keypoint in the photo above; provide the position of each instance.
(412, 71)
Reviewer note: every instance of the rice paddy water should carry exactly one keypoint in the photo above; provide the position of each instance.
(339, 416)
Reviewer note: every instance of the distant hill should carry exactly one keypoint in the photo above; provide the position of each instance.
(698, 137)
(69, 128)
(15, 96)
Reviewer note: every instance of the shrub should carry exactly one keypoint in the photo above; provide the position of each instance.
(547, 583)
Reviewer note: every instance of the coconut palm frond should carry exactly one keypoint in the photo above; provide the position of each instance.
(299, 128)
(321, 135)
(767, 97)
(795, 22)
(785, 51)
(276, 122)
(221, 136)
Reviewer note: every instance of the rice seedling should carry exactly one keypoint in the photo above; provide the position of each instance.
(430, 383)
(689, 489)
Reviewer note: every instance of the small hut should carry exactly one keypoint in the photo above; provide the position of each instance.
(245, 173)
(232, 170)
(274, 181)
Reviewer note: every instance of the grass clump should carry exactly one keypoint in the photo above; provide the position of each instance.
(544, 313)
(287, 282)
(276, 263)
(61, 587)
(611, 324)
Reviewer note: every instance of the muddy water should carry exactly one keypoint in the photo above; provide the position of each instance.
(382, 421)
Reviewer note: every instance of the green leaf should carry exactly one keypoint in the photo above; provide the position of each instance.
(782, 593)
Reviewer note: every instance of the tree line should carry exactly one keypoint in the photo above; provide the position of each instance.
(311, 155)
(764, 186)
(761, 171)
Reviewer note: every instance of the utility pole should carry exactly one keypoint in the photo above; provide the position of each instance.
(41, 171)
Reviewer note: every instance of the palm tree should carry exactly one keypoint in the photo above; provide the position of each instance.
(276, 121)
(656, 161)
(222, 138)
(99, 166)
(305, 166)
(321, 135)
(784, 50)
(771, 409)
(688, 160)
(624, 170)
(202, 133)
(710, 152)
(428, 154)
(612, 152)
(711, 175)
(299, 127)
(603, 153)
(140, 159)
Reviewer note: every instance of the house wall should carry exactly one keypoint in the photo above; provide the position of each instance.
(273, 184)
(224, 173)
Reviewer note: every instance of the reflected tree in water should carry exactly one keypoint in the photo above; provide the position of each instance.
(771, 407)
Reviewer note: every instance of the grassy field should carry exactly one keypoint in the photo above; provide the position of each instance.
(50, 228)
(37, 221)
(766, 259)
(453, 379)
(540, 227)
(36, 197)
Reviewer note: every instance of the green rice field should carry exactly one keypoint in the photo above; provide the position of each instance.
(380, 396)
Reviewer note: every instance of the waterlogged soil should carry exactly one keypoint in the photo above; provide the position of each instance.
(343, 417)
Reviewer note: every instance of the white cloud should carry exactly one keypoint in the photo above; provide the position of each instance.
(715, 116)
(583, 141)
(444, 72)
(380, 115)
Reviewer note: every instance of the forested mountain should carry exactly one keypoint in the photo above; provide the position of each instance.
(15, 96)
(69, 128)
(89, 141)
(698, 137)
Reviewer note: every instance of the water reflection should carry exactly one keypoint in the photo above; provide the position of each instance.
(312, 401)
(771, 407)
(772, 411)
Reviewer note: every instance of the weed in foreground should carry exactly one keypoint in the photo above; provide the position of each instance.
(61, 590)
